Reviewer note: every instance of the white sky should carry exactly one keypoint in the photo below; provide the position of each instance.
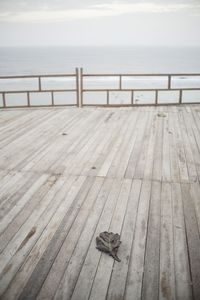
(100, 22)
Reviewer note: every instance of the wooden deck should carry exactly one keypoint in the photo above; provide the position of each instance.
(68, 174)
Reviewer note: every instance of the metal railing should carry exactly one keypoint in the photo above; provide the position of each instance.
(109, 90)
(28, 87)
(175, 86)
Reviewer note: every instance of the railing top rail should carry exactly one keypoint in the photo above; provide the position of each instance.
(37, 76)
(96, 74)
(139, 74)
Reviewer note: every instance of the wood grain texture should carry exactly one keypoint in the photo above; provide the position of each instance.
(67, 174)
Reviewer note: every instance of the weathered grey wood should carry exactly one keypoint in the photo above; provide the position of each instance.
(37, 191)
(35, 158)
(126, 139)
(150, 286)
(136, 265)
(71, 186)
(102, 276)
(157, 162)
(166, 167)
(68, 174)
(180, 151)
(167, 276)
(175, 172)
(142, 160)
(151, 148)
(43, 138)
(115, 148)
(181, 259)
(10, 199)
(139, 132)
(54, 257)
(189, 123)
(87, 274)
(192, 173)
(67, 284)
(61, 146)
(193, 240)
(95, 150)
(22, 125)
(20, 245)
(119, 273)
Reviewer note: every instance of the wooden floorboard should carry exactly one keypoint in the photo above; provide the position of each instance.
(67, 174)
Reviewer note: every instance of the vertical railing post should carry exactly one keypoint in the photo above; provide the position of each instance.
(77, 88)
(39, 83)
(120, 82)
(28, 99)
(156, 103)
(52, 98)
(132, 97)
(4, 100)
(169, 82)
(107, 101)
(81, 87)
(180, 97)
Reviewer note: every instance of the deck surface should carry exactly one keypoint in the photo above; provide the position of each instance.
(68, 174)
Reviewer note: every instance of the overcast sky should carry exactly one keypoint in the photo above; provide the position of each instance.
(100, 22)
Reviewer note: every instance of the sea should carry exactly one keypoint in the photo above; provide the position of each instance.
(17, 61)
(62, 60)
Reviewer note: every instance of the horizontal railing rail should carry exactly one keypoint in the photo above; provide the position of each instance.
(39, 90)
(99, 89)
(176, 87)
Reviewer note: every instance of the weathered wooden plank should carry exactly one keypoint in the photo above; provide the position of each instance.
(63, 200)
(70, 276)
(54, 135)
(13, 196)
(127, 139)
(23, 125)
(67, 145)
(175, 172)
(102, 276)
(91, 155)
(180, 150)
(50, 268)
(119, 272)
(181, 260)
(136, 266)
(188, 120)
(31, 142)
(138, 139)
(157, 161)
(192, 173)
(17, 208)
(20, 245)
(166, 167)
(193, 241)
(167, 274)
(88, 271)
(147, 139)
(128, 145)
(160, 235)
(40, 138)
(151, 148)
(115, 147)
(150, 286)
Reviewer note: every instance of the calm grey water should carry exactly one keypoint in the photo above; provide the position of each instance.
(49, 60)
(63, 60)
